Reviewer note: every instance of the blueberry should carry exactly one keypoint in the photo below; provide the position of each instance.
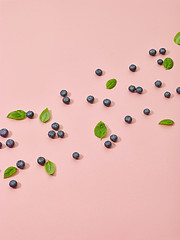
(10, 143)
(128, 119)
(30, 114)
(66, 100)
(51, 134)
(13, 183)
(3, 132)
(107, 144)
(162, 51)
(75, 155)
(178, 90)
(0, 144)
(158, 83)
(139, 90)
(41, 161)
(146, 111)
(20, 164)
(152, 52)
(132, 67)
(63, 93)
(98, 72)
(60, 134)
(113, 138)
(90, 99)
(107, 102)
(55, 126)
(160, 61)
(167, 94)
(132, 88)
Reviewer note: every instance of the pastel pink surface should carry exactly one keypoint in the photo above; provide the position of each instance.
(129, 192)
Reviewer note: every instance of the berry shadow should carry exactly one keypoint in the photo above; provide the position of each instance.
(133, 121)
(18, 185)
(35, 116)
(26, 166)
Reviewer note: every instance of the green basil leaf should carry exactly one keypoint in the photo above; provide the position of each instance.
(50, 167)
(18, 115)
(168, 63)
(45, 115)
(111, 83)
(177, 38)
(100, 130)
(166, 122)
(9, 171)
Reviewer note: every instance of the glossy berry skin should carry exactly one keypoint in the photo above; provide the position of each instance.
(107, 102)
(158, 83)
(128, 119)
(66, 100)
(20, 164)
(13, 183)
(132, 88)
(30, 114)
(90, 99)
(146, 111)
(0, 144)
(139, 90)
(162, 51)
(10, 143)
(132, 67)
(99, 72)
(60, 134)
(75, 155)
(160, 61)
(167, 94)
(178, 90)
(3, 132)
(63, 93)
(107, 144)
(55, 126)
(51, 134)
(113, 138)
(152, 52)
(41, 161)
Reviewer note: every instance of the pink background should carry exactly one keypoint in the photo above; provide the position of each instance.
(129, 192)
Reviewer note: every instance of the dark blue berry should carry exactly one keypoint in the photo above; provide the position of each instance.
(139, 90)
(178, 90)
(20, 164)
(146, 111)
(152, 52)
(0, 144)
(167, 94)
(90, 99)
(3, 132)
(75, 155)
(60, 134)
(63, 93)
(162, 51)
(132, 88)
(51, 134)
(55, 126)
(98, 72)
(160, 61)
(132, 67)
(107, 102)
(158, 83)
(66, 100)
(128, 119)
(30, 114)
(107, 144)
(41, 161)
(113, 138)
(13, 183)
(10, 143)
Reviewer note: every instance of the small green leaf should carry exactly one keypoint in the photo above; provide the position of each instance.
(168, 63)
(166, 122)
(111, 83)
(18, 115)
(177, 38)
(45, 115)
(50, 167)
(9, 171)
(100, 130)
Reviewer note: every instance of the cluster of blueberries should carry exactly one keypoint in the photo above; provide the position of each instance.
(113, 138)
(153, 52)
(52, 133)
(9, 142)
(20, 164)
(65, 99)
